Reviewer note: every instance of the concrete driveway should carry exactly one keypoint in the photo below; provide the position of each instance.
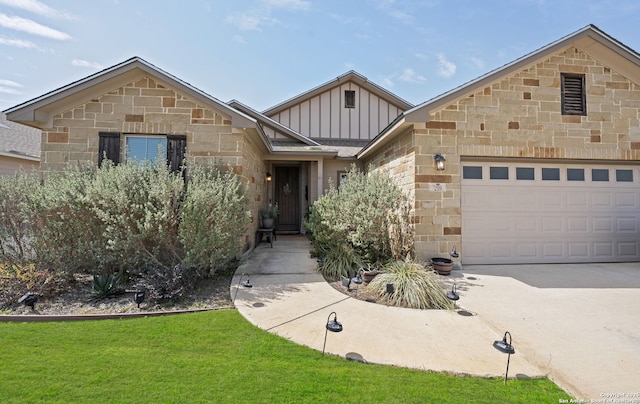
(579, 323)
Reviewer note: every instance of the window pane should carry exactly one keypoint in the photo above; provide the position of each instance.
(499, 173)
(599, 174)
(575, 174)
(141, 148)
(524, 173)
(551, 174)
(624, 175)
(472, 172)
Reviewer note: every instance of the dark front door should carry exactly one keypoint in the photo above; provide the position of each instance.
(287, 196)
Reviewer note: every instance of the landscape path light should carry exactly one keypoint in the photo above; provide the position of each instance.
(505, 347)
(333, 326)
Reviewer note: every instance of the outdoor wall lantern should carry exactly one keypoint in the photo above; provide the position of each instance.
(268, 177)
(439, 160)
(333, 326)
(505, 347)
(246, 284)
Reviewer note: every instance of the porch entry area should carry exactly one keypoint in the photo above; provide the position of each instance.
(287, 194)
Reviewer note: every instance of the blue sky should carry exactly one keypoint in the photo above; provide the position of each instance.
(262, 52)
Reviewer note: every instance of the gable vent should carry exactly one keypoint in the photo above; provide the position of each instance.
(574, 100)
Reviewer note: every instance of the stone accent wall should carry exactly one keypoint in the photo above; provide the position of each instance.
(145, 106)
(254, 170)
(518, 117)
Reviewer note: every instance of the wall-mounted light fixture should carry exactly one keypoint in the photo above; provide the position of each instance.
(439, 160)
(268, 177)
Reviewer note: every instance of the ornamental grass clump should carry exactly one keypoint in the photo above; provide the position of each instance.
(413, 286)
(340, 261)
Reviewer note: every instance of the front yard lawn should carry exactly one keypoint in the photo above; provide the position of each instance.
(215, 357)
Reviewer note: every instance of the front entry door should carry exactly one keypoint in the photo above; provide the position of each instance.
(287, 196)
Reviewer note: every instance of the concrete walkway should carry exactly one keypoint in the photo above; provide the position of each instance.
(563, 331)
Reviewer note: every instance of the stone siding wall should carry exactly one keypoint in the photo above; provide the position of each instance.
(520, 117)
(142, 107)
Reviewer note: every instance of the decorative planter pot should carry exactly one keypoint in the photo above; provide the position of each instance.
(442, 265)
(368, 274)
(267, 222)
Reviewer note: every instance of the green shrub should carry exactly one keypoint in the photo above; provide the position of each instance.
(15, 226)
(129, 218)
(213, 217)
(340, 260)
(66, 235)
(106, 285)
(414, 286)
(368, 212)
(138, 208)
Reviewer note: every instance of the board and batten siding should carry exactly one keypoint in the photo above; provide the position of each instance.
(324, 116)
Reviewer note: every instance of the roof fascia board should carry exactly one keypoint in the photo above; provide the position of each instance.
(399, 123)
(19, 156)
(273, 124)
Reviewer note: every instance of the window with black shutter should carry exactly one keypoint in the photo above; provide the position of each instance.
(176, 147)
(109, 147)
(574, 99)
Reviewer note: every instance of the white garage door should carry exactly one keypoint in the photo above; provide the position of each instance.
(549, 213)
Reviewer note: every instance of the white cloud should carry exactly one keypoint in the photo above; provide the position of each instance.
(410, 76)
(9, 83)
(36, 7)
(401, 16)
(9, 87)
(85, 63)
(31, 27)
(249, 21)
(289, 4)
(446, 68)
(18, 43)
(477, 62)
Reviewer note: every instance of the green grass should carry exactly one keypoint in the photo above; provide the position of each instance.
(215, 357)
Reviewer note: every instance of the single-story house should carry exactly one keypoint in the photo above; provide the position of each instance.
(19, 147)
(534, 162)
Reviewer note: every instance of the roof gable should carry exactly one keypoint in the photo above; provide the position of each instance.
(350, 76)
(39, 112)
(589, 39)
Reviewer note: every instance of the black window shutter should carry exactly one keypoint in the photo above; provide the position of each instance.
(109, 147)
(574, 99)
(176, 148)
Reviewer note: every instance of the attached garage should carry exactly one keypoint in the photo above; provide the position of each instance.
(548, 212)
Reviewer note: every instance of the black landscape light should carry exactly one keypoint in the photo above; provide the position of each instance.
(454, 253)
(29, 299)
(139, 297)
(505, 347)
(333, 326)
(357, 280)
(246, 284)
(452, 294)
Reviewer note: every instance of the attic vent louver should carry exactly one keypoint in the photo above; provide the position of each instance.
(574, 100)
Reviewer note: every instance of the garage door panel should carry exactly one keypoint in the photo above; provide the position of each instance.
(577, 224)
(602, 224)
(550, 220)
(628, 249)
(627, 224)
